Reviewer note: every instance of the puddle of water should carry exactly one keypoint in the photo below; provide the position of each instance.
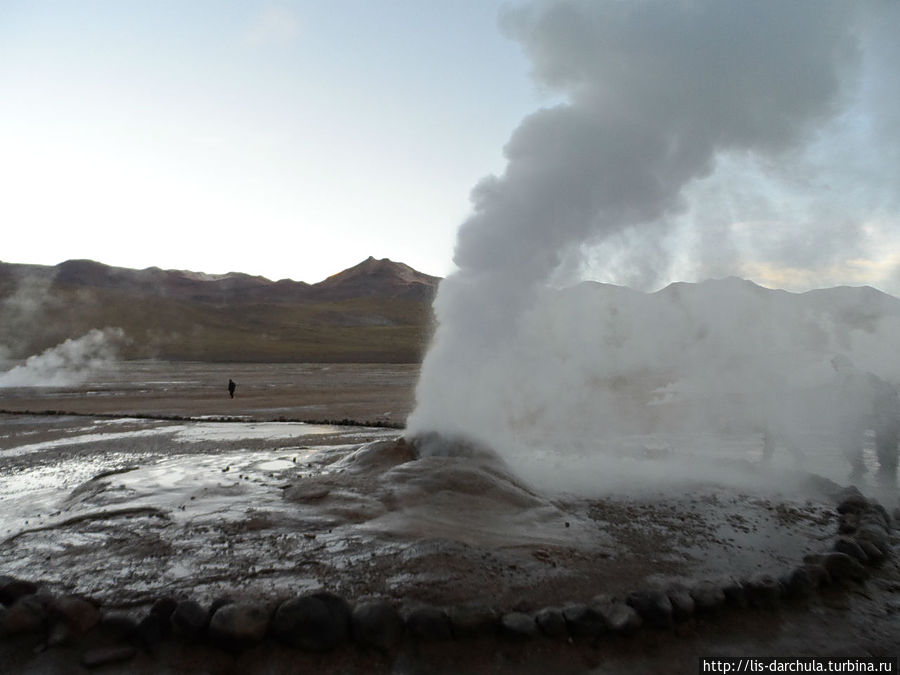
(276, 465)
(193, 432)
(85, 439)
(239, 431)
(180, 482)
(119, 420)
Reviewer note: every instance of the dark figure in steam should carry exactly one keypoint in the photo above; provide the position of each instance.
(776, 429)
(866, 402)
(231, 387)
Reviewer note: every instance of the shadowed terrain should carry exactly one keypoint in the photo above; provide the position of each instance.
(377, 311)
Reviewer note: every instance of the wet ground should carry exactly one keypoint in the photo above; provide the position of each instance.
(381, 393)
(126, 509)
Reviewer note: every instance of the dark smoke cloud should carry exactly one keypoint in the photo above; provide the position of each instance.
(691, 133)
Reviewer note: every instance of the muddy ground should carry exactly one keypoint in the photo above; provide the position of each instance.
(125, 510)
(382, 393)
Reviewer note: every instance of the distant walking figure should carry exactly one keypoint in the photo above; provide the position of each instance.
(231, 387)
(865, 401)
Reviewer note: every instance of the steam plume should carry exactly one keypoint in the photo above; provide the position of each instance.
(667, 103)
(70, 362)
(28, 301)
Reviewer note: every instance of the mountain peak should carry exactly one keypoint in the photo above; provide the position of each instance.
(378, 277)
(372, 277)
(378, 310)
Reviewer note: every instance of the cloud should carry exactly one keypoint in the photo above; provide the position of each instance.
(274, 25)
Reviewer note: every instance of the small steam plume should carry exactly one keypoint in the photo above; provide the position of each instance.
(29, 299)
(68, 363)
(682, 120)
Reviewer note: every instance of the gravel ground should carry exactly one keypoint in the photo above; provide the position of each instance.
(126, 509)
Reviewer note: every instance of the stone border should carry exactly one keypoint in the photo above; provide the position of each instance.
(322, 621)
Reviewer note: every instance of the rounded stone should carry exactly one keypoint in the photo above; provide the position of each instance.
(653, 606)
(877, 536)
(429, 624)
(189, 620)
(875, 554)
(818, 572)
(118, 625)
(551, 622)
(764, 592)
(152, 629)
(852, 501)
(218, 603)
(518, 626)
(238, 625)
(735, 593)
(473, 620)
(315, 622)
(842, 566)
(878, 511)
(844, 544)
(707, 596)
(377, 623)
(619, 617)
(800, 582)
(11, 589)
(164, 607)
(25, 615)
(848, 522)
(583, 621)
(683, 604)
(79, 614)
(870, 521)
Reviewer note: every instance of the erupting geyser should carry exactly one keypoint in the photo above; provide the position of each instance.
(698, 138)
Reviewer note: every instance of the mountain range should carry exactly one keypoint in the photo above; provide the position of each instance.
(379, 311)
(376, 311)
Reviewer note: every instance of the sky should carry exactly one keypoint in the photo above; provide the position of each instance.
(289, 140)
(294, 139)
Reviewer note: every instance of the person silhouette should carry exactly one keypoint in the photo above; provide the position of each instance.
(866, 401)
(231, 387)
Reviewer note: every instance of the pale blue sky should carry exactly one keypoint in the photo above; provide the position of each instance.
(296, 138)
(285, 139)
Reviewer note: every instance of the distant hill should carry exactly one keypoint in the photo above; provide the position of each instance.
(373, 278)
(380, 311)
(720, 325)
(377, 311)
